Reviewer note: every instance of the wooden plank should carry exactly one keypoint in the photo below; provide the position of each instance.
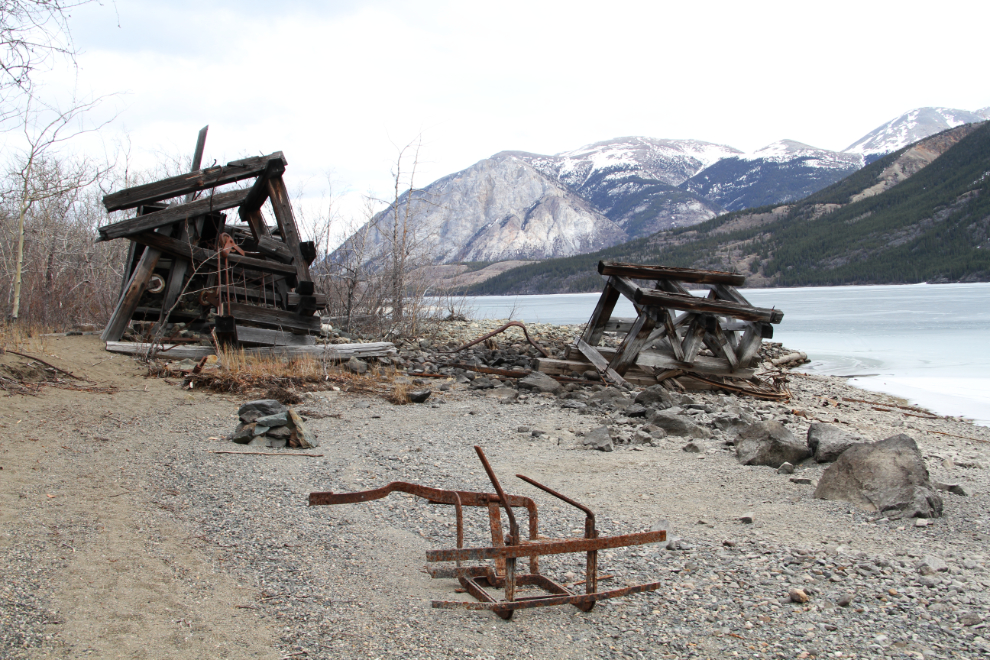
(600, 363)
(274, 249)
(259, 191)
(671, 326)
(592, 334)
(658, 358)
(282, 208)
(184, 184)
(726, 292)
(248, 336)
(335, 352)
(693, 339)
(705, 305)
(633, 343)
(749, 344)
(719, 345)
(280, 319)
(172, 214)
(643, 272)
(128, 302)
(204, 256)
(619, 324)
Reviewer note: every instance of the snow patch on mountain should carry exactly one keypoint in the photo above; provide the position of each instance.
(910, 127)
(789, 150)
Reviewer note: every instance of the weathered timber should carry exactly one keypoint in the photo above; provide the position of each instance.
(177, 274)
(693, 338)
(335, 352)
(259, 191)
(279, 319)
(639, 272)
(599, 362)
(204, 256)
(749, 344)
(248, 336)
(718, 342)
(661, 358)
(275, 249)
(175, 213)
(282, 208)
(184, 184)
(556, 367)
(670, 325)
(128, 302)
(633, 343)
(603, 311)
(726, 292)
(706, 305)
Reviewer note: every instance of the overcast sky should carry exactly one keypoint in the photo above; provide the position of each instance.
(337, 85)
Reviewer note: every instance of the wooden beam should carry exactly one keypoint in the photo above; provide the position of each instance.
(720, 346)
(177, 274)
(248, 336)
(705, 305)
(128, 302)
(640, 272)
(259, 191)
(280, 319)
(172, 214)
(749, 344)
(335, 352)
(192, 182)
(633, 343)
(592, 334)
(599, 362)
(282, 208)
(202, 255)
(664, 359)
(726, 292)
(556, 367)
(693, 339)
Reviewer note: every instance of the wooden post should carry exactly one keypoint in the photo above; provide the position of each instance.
(279, 197)
(603, 312)
(136, 285)
(177, 275)
(692, 339)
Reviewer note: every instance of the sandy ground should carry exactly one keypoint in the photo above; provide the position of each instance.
(124, 537)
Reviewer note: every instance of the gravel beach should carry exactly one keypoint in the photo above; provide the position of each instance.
(124, 535)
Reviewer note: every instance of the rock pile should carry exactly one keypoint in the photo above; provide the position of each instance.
(268, 423)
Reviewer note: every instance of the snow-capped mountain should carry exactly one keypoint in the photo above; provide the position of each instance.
(911, 127)
(780, 172)
(519, 205)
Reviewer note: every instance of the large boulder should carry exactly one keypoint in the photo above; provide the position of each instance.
(655, 396)
(887, 476)
(676, 424)
(540, 382)
(828, 442)
(770, 443)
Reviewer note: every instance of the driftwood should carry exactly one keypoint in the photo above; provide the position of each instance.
(336, 352)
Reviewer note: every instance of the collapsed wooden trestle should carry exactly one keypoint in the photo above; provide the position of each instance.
(671, 329)
(248, 283)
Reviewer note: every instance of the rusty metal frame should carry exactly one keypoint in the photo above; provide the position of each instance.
(506, 549)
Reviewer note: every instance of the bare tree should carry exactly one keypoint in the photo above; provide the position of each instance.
(34, 34)
(41, 173)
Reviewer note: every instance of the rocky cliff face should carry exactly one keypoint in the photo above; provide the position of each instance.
(502, 208)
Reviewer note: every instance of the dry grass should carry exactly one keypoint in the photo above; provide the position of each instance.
(23, 337)
(283, 379)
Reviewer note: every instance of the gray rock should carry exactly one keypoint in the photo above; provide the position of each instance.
(641, 437)
(747, 518)
(243, 434)
(260, 441)
(419, 396)
(278, 419)
(357, 366)
(576, 405)
(482, 383)
(691, 448)
(259, 429)
(540, 382)
(635, 410)
(503, 394)
(279, 433)
(970, 619)
(655, 396)
(675, 424)
(769, 443)
(955, 489)
(305, 437)
(931, 565)
(887, 476)
(803, 481)
(785, 468)
(252, 410)
(846, 599)
(524, 429)
(612, 396)
(591, 374)
(599, 438)
(276, 443)
(828, 441)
